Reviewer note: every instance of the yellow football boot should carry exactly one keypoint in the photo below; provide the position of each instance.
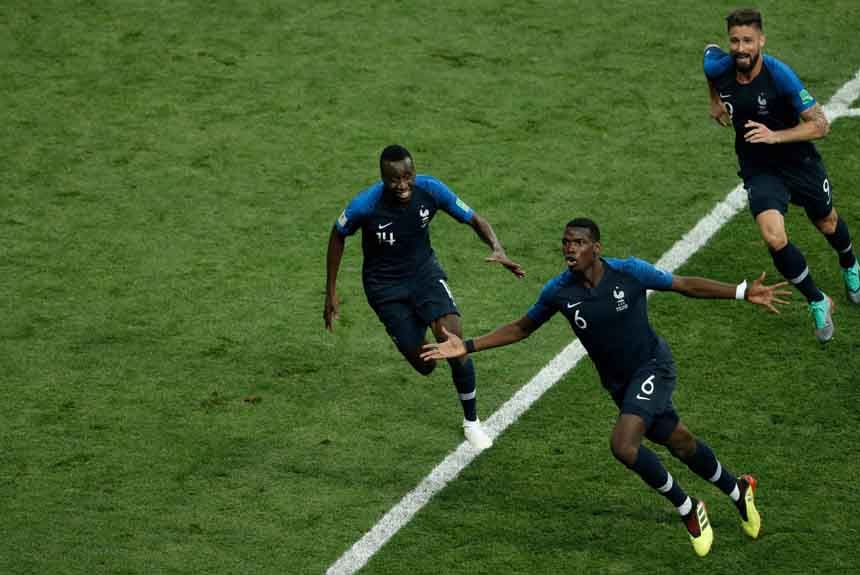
(699, 528)
(750, 518)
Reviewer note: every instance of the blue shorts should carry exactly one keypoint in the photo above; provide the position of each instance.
(648, 394)
(804, 184)
(407, 308)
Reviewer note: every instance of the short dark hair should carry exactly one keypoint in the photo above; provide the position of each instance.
(588, 224)
(744, 17)
(393, 153)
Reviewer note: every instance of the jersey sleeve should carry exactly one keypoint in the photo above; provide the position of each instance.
(543, 309)
(716, 62)
(648, 274)
(788, 84)
(448, 200)
(351, 218)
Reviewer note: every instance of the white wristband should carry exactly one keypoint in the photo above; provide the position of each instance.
(741, 290)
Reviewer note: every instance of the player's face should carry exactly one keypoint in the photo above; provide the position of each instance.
(745, 44)
(579, 249)
(398, 179)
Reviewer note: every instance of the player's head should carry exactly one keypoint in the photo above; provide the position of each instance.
(746, 38)
(580, 244)
(398, 173)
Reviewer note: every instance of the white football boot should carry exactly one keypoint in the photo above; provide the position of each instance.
(476, 435)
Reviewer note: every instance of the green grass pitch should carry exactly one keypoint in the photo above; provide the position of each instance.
(169, 174)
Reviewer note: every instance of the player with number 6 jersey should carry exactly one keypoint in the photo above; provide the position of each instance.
(605, 302)
(403, 281)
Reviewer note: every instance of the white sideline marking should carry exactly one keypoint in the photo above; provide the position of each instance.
(399, 515)
(839, 104)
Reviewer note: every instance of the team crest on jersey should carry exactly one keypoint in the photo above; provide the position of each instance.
(762, 104)
(620, 303)
(424, 213)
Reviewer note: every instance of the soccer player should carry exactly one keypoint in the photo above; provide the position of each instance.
(403, 281)
(604, 300)
(775, 120)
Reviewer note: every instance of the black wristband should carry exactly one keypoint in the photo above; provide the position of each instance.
(470, 345)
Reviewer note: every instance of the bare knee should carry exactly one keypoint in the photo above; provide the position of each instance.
(827, 224)
(421, 366)
(624, 450)
(626, 438)
(682, 443)
(684, 450)
(775, 239)
(771, 226)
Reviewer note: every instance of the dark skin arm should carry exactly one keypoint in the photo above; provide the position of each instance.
(334, 254)
(505, 335)
(485, 231)
(756, 293)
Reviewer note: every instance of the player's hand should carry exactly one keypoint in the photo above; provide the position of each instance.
(331, 311)
(502, 258)
(451, 347)
(760, 294)
(759, 134)
(720, 114)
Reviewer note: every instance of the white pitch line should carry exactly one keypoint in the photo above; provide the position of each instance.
(360, 553)
(841, 101)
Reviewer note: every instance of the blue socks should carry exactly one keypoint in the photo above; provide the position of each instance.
(705, 464)
(648, 467)
(840, 240)
(463, 374)
(792, 265)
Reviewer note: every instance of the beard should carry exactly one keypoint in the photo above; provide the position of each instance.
(742, 65)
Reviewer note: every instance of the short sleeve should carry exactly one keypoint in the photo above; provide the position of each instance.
(716, 62)
(447, 200)
(543, 309)
(788, 84)
(650, 276)
(351, 218)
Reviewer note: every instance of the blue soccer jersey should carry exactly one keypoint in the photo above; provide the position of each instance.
(611, 319)
(775, 98)
(395, 238)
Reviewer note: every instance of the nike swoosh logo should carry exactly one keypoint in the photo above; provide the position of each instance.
(383, 226)
(573, 305)
(726, 96)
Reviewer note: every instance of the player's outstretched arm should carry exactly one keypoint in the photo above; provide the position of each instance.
(756, 292)
(456, 347)
(485, 231)
(331, 309)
